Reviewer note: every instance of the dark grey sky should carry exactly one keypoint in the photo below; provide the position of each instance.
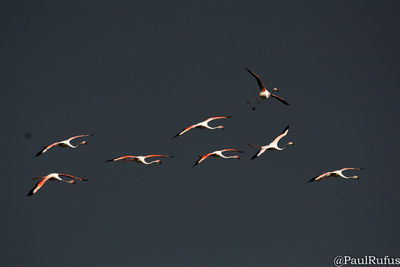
(136, 73)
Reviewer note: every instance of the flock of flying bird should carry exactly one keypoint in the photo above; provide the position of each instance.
(263, 94)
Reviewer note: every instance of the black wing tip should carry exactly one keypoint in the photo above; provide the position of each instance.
(30, 193)
(229, 116)
(109, 160)
(312, 179)
(286, 128)
(175, 136)
(195, 164)
(361, 169)
(91, 134)
(246, 68)
(253, 157)
(85, 179)
(40, 152)
(171, 156)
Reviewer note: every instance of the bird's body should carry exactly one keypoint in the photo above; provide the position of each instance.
(218, 154)
(337, 173)
(53, 177)
(273, 145)
(64, 143)
(203, 125)
(264, 93)
(140, 159)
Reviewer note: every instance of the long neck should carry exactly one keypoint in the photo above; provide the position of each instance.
(67, 181)
(348, 177)
(288, 144)
(227, 157)
(340, 173)
(150, 162)
(212, 128)
(81, 143)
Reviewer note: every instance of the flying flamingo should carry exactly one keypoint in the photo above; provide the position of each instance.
(337, 173)
(140, 159)
(273, 145)
(264, 93)
(217, 154)
(64, 143)
(54, 177)
(203, 125)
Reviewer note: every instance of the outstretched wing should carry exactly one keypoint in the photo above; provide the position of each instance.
(185, 130)
(260, 84)
(44, 149)
(201, 159)
(220, 117)
(123, 158)
(164, 156)
(231, 149)
(346, 169)
(74, 177)
(37, 187)
(260, 151)
(320, 177)
(280, 99)
(281, 135)
(77, 136)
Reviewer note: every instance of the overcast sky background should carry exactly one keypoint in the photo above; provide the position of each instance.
(137, 73)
